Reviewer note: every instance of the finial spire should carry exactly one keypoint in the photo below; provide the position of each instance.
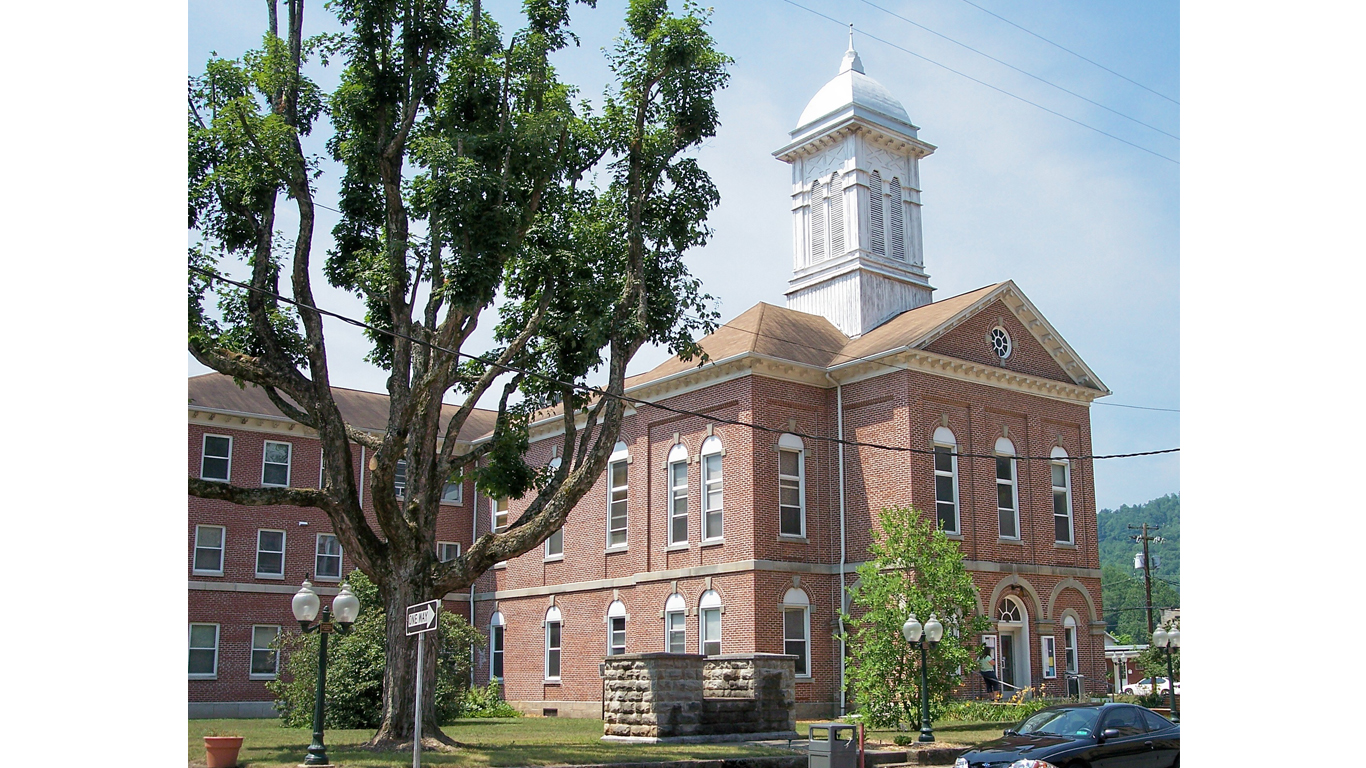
(851, 59)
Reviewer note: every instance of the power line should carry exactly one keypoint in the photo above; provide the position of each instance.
(634, 400)
(1069, 50)
(988, 85)
(1021, 71)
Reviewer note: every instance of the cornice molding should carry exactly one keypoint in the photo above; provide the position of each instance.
(963, 370)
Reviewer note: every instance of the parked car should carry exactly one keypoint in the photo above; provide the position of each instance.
(1097, 735)
(1146, 686)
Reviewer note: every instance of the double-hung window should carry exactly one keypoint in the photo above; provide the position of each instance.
(552, 643)
(1069, 644)
(1007, 500)
(678, 496)
(208, 549)
(1062, 497)
(616, 628)
(275, 463)
(500, 515)
(447, 551)
(203, 651)
(400, 479)
(709, 612)
(946, 480)
(453, 492)
(216, 459)
(712, 453)
(328, 563)
(270, 554)
(791, 495)
(675, 624)
(554, 544)
(264, 659)
(797, 629)
(496, 646)
(1050, 657)
(617, 492)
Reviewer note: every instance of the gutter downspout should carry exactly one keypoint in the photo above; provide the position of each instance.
(474, 534)
(839, 420)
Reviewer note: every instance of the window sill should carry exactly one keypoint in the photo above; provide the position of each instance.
(206, 573)
(802, 678)
(1013, 542)
(272, 576)
(553, 558)
(500, 566)
(260, 677)
(445, 503)
(274, 485)
(1064, 545)
(214, 479)
(316, 577)
(204, 677)
(551, 681)
(954, 536)
(793, 538)
(712, 543)
(614, 550)
(678, 547)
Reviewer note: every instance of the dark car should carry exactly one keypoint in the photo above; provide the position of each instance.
(1083, 736)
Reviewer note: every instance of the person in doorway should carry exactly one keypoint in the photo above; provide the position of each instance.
(987, 665)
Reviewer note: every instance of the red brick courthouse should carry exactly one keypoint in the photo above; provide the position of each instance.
(710, 537)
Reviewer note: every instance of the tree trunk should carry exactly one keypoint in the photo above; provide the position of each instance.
(411, 584)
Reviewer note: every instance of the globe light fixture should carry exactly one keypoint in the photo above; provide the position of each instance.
(923, 636)
(1166, 640)
(912, 630)
(305, 606)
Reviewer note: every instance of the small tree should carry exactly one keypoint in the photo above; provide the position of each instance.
(355, 667)
(914, 568)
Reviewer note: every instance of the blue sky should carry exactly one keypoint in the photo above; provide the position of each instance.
(1086, 225)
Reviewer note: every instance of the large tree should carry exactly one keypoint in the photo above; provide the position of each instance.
(469, 172)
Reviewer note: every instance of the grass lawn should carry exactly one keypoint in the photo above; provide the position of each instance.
(491, 742)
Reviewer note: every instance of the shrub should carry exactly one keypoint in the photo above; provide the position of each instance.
(485, 701)
(902, 740)
(355, 667)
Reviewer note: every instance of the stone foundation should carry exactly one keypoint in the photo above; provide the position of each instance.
(675, 696)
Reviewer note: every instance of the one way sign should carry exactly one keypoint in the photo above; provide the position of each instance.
(422, 617)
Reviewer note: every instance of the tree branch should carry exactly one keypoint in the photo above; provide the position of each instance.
(260, 497)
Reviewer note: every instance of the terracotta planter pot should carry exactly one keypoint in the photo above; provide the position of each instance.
(221, 751)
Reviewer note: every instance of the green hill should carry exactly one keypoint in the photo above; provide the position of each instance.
(1121, 583)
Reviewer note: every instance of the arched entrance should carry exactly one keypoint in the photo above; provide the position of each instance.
(1012, 625)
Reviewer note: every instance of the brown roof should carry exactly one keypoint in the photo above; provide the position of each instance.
(366, 410)
(911, 328)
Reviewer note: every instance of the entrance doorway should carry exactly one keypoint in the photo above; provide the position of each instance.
(1012, 623)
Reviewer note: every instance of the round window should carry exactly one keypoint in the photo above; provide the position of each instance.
(1000, 342)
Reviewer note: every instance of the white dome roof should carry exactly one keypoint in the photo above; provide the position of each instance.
(852, 87)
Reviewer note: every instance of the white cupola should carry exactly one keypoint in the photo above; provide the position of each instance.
(856, 204)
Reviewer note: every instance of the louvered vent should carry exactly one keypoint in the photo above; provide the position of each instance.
(837, 216)
(817, 222)
(898, 234)
(875, 193)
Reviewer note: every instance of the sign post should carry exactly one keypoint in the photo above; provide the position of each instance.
(421, 620)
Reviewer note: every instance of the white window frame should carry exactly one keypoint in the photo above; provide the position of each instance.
(289, 463)
(217, 635)
(554, 543)
(494, 512)
(222, 551)
(675, 606)
(620, 457)
(1049, 653)
(400, 470)
(341, 552)
(497, 644)
(678, 458)
(251, 657)
(712, 446)
(1060, 460)
(710, 601)
(266, 574)
(796, 600)
(616, 612)
(1006, 450)
(553, 617)
(440, 556)
(944, 438)
(1069, 644)
(792, 444)
(459, 498)
(203, 454)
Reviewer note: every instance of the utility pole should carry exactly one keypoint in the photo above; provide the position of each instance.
(1147, 568)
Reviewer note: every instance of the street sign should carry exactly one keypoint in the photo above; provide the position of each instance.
(422, 617)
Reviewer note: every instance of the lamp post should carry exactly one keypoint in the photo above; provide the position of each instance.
(923, 637)
(1167, 640)
(305, 605)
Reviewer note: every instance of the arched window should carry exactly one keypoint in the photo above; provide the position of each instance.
(712, 451)
(554, 546)
(1007, 500)
(496, 646)
(617, 493)
(836, 196)
(1069, 643)
(1062, 497)
(678, 495)
(875, 193)
(896, 232)
(675, 624)
(552, 643)
(709, 613)
(791, 486)
(817, 221)
(797, 629)
(616, 628)
(946, 479)
(1008, 611)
